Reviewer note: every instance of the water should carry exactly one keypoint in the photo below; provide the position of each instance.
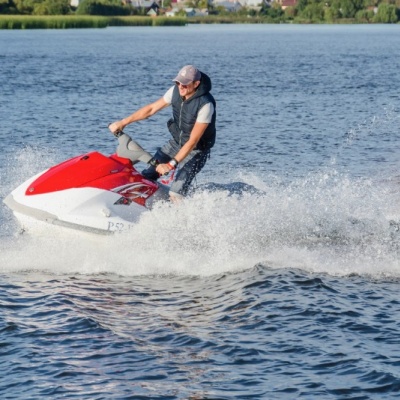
(285, 291)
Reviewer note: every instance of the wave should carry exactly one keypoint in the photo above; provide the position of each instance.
(323, 222)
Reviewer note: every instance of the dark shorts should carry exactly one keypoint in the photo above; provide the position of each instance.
(186, 170)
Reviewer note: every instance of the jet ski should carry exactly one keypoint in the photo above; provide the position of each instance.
(91, 192)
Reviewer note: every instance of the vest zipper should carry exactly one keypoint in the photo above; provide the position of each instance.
(180, 123)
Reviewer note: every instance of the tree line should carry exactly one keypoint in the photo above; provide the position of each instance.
(316, 11)
(63, 7)
(363, 11)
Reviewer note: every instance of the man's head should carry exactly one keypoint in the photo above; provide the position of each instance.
(188, 74)
(188, 80)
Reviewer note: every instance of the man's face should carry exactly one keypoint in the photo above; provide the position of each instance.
(188, 90)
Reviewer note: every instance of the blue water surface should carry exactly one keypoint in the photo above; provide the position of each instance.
(277, 279)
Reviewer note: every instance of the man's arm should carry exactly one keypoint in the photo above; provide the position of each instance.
(197, 132)
(143, 113)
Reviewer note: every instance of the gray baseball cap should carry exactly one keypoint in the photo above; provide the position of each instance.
(188, 74)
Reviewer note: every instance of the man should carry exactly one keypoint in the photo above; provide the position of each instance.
(192, 127)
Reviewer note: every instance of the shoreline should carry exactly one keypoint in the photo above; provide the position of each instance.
(15, 22)
(86, 21)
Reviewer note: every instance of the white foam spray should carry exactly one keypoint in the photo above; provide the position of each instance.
(324, 222)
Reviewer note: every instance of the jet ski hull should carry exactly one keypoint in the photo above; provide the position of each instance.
(90, 192)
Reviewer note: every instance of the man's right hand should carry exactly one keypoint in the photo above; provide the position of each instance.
(115, 127)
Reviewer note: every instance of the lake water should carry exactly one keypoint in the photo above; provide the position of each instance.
(289, 292)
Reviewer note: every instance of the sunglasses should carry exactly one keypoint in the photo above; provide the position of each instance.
(180, 84)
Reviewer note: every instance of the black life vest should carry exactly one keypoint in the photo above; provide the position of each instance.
(185, 114)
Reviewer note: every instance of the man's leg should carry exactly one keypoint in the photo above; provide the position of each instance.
(187, 170)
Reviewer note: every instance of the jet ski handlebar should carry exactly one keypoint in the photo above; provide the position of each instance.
(128, 148)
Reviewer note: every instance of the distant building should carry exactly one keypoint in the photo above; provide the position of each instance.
(234, 5)
(179, 4)
(151, 7)
(287, 3)
(231, 6)
(190, 12)
(251, 3)
(172, 12)
(202, 12)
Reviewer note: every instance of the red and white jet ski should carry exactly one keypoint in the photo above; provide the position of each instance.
(91, 192)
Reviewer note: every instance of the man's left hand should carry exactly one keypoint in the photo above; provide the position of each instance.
(163, 169)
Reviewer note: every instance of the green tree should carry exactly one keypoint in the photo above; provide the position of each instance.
(102, 7)
(387, 14)
(52, 7)
(274, 12)
(244, 11)
(313, 12)
(181, 13)
(302, 4)
(365, 16)
(349, 8)
(197, 3)
(329, 15)
(7, 7)
(346, 8)
(220, 10)
(335, 8)
(290, 12)
(84, 7)
(26, 6)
